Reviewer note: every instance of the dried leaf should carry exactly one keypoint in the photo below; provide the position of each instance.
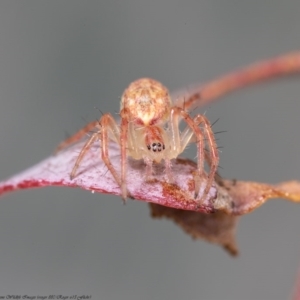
(218, 228)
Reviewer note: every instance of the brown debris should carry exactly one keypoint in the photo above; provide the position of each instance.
(218, 228)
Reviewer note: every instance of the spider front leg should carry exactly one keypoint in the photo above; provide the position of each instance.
(213, 154)
(107, 128)
(110, 129)
(180, 141)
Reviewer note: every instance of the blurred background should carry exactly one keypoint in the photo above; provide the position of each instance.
(62, 61)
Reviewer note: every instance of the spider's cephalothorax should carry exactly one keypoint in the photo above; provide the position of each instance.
(149, 130)
(146, 105)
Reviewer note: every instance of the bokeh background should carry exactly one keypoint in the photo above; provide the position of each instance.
(62, 61)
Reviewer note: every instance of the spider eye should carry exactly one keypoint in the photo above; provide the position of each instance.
(156, 147)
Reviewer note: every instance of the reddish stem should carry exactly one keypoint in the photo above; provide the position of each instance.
(296, 291)
(264, 70)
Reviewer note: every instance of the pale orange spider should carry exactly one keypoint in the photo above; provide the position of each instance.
(149, 130)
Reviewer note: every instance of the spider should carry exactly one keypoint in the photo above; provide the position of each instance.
(149, 130)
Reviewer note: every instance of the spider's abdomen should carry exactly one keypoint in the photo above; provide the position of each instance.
(146, 102)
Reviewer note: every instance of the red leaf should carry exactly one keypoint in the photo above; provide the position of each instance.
(94, 176)
(231, 196)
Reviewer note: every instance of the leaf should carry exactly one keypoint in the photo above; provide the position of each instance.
(213, 220)
(94, 176)
(231, 196)
(216, 228)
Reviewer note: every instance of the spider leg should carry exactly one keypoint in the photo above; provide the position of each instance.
(193, 130)
(168, 165)
(188, 98)
(187, 137)
(109, 124)
(83, 151)
(200, 148)
(213, 159)
(109, 128)
(179, 141)
(123, 144)
(77, 136)
(149, 169)
(174, 131)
